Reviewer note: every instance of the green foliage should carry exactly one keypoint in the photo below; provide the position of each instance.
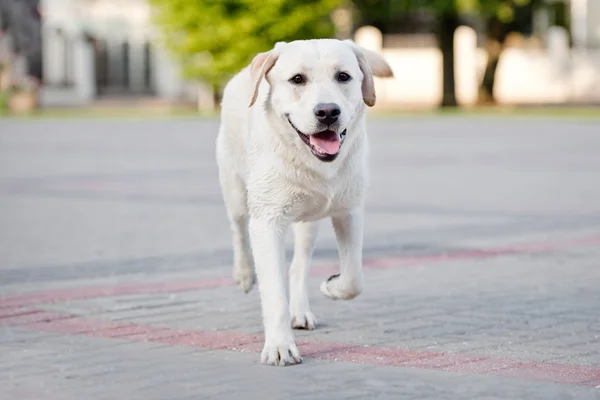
(213, 39)
(380, 9)
(4, 97)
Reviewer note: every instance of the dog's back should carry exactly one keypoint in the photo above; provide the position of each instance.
(233, 131)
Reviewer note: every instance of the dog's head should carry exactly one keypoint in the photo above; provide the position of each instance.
(317, 87)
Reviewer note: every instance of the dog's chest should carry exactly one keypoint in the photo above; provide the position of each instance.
(322, 201)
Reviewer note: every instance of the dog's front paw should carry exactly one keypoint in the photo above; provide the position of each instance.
(303, 320)
(280, 350)
(337, 288)
(244, 277)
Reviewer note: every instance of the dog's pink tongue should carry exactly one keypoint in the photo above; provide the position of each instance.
(328, 142)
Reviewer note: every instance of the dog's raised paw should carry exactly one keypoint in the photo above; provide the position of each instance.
(245, 278)
(304, 320)
(336, 288)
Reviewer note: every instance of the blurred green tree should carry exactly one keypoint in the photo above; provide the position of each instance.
(499, 17)
(214, 39)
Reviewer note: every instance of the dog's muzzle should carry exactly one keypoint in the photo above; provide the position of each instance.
(324, 145)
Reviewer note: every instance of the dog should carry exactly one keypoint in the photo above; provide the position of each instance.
(292, 149)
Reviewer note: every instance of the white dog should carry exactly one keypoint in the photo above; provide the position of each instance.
(292, 149)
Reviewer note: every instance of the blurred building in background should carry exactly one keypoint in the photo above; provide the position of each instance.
(104, 49)
(100, 49)
(107, 49)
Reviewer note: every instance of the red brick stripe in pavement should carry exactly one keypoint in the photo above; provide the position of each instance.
(339, 352)
(90, 292)
(13, 314)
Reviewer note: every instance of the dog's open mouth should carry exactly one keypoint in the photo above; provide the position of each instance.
(324, 145)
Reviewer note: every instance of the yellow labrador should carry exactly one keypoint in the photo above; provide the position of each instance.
(292, 150)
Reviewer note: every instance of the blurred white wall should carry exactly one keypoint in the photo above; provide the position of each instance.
(554, 74)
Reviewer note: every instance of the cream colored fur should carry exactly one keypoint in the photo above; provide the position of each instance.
(270, 179)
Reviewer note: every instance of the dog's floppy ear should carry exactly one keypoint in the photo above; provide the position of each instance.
(368, 85)
(260, 66)
(379, 66)
(371, 64)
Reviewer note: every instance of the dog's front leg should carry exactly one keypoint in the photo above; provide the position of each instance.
(348, 284)
(267, 237)
(305, 234)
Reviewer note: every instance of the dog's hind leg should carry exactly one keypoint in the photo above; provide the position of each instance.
(305, 234)
(234, 194)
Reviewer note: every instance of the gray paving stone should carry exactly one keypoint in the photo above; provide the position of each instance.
(86, 203)
(145, 371)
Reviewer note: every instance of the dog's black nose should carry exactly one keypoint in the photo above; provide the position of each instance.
(327, 113)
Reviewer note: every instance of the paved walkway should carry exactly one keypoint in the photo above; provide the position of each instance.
(482, 254)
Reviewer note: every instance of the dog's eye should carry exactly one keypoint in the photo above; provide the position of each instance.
(343, 77)
(298, 79)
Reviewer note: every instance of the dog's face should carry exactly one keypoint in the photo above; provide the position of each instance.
(316, 88)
